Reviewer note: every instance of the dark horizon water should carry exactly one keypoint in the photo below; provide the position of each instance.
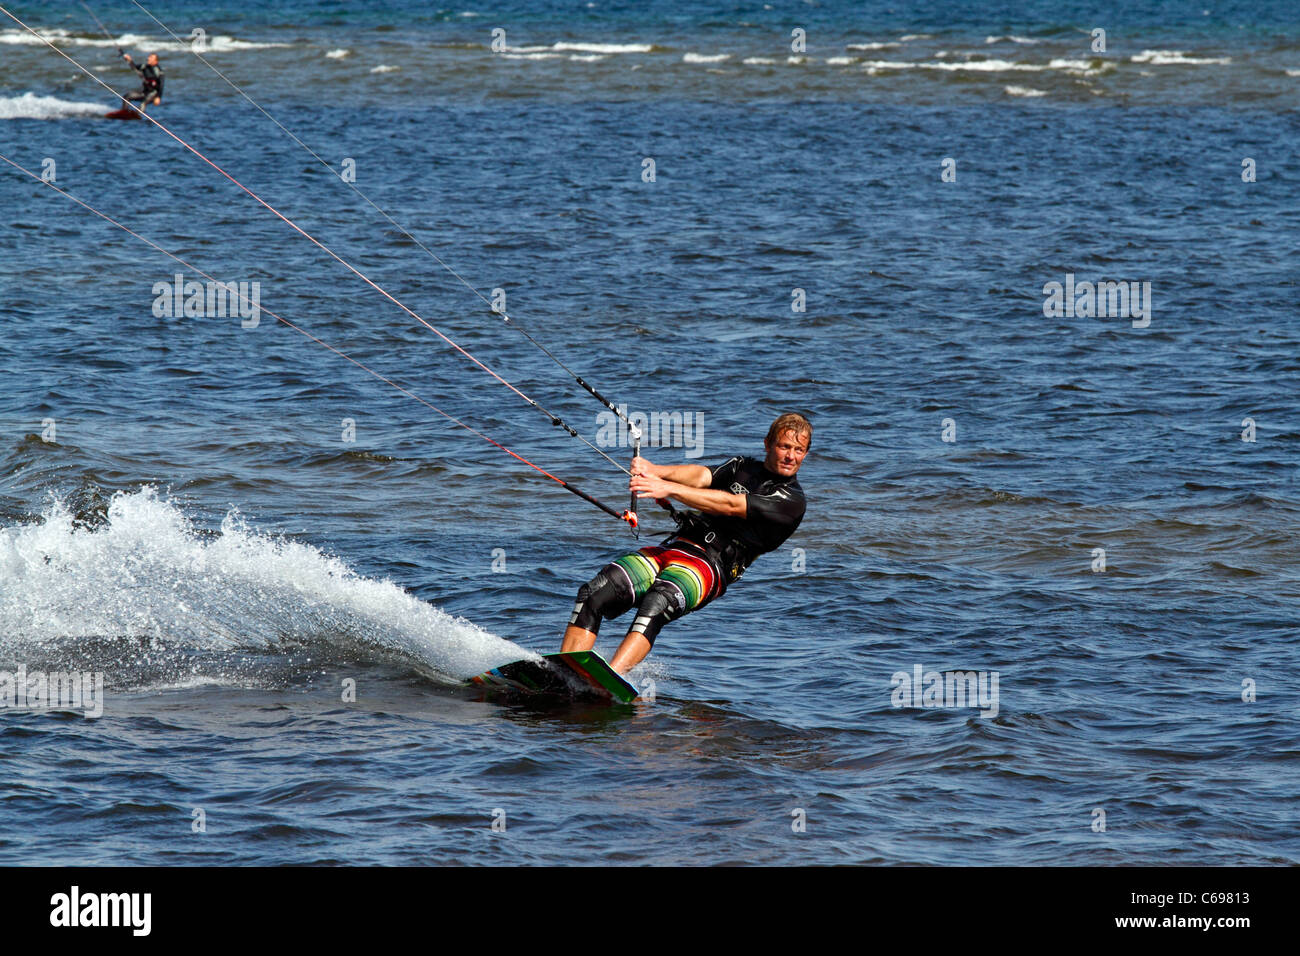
(185, 509)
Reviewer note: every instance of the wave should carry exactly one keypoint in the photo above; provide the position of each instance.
(565, 47)
(143, 595)
(989, 66)
(603, 47)
(20, 37)
(1165, 57)
(1024, 91)
(128, 41)
(983, 66)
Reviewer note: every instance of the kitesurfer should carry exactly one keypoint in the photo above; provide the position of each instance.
(741, 509)
(151, 76)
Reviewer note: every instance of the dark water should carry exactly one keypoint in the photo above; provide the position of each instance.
(196, 528)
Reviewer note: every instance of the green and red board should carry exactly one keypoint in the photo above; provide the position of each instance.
(575, 674)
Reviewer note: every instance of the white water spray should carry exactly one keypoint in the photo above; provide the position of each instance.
(150, 585)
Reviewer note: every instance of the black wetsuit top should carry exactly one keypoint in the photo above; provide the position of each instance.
(152, 77)
(774, 509)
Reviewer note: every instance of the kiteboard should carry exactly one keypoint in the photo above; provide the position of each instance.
(575, 674)
(127, 112)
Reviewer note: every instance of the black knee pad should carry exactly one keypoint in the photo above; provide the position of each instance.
(661, 604)
(601, 597)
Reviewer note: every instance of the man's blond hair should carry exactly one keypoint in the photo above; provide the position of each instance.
(789, 422)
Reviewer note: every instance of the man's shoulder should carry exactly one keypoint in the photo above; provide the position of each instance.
(739, 470)
(790, 491)
(763, 482)
(729, 467)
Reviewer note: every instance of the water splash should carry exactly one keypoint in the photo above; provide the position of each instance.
(145, 596)
(33, 106)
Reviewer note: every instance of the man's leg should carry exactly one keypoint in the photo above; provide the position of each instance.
(578, 639)
(630, 653)
(684, 583)
(663, 602)
(608, 594)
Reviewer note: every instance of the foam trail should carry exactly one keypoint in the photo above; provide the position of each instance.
(148, 599)
(31, 106)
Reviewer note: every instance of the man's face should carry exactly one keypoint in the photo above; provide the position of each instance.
(153, 59)
(785, 453)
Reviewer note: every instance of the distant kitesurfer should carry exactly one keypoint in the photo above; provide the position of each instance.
(151, 75)
(741, 509)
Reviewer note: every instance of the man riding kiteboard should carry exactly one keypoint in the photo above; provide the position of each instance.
(741, 509)
(151, 76)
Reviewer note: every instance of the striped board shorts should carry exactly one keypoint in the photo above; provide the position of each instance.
(689, 573)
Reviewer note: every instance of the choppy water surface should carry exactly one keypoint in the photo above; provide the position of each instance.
(180, 509)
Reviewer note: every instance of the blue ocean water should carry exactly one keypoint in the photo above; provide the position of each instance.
(284, 567)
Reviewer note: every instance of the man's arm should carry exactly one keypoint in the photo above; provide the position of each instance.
(709, 500)
(693, 476)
